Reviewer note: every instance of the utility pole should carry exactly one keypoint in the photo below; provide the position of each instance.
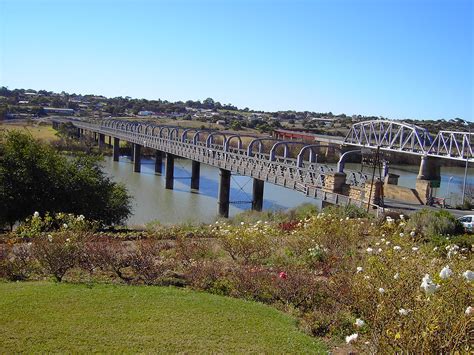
(468, 147)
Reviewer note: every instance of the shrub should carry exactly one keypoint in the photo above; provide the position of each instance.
(429, 224)
(16, 262)
(35, 225)
(57, 253)
(247, 244)
(147, 263)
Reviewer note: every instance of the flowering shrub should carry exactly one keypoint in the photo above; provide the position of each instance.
(35, 225)
(381, 285)
(247, 243)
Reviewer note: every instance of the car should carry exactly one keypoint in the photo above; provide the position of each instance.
(468, 222)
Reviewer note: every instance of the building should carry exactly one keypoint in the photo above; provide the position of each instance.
(58, 111)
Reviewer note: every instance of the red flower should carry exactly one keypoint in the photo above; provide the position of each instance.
(282, 275)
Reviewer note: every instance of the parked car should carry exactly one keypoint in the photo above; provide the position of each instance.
(467, 222)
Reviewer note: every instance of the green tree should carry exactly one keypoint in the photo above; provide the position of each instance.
(35, 177)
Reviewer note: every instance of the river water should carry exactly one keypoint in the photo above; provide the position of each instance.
(152, 202)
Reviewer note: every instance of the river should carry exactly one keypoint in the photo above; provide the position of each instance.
(152, 202)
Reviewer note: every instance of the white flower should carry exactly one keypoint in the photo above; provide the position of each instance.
(366, 277)
(387, 242)
(403, 311)
(389, 219)
(402, 224)
(68, 240)
(402, 234)
(382, 240)
(383, 235)
(428, 285)
(414, 248)
(50, 238)
(359, 322)
(412, 234)
(347, 218)
(397, 247)
(445, 272)
(379, 250)
(435, 248)
(242, 223)
(36, 214)
(402, 217)
(377, 244)
(396, 276)
(351, 338)
(381, 290)
(468, 275)
(359, 269)
(370, 250)
(469, 310)
(64, 225)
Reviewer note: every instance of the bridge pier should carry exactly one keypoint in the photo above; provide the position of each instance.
(116, 149)
(257, 196)
(429, 169)
(158, 161)
(101, 140)
(132, 149)
(195, 172)
(169, 177)
(137, 158)
(224, 193)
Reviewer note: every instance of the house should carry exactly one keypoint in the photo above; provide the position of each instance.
(146, 113)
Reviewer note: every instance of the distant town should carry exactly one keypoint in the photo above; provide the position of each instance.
(32, 104)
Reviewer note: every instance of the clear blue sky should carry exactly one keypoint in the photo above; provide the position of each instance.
(396, 58)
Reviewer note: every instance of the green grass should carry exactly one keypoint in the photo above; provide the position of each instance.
(48, 317)
(42, 132)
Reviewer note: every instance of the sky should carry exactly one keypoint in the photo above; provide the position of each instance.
(392, 58)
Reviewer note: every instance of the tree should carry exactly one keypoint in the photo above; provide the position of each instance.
(35, 177)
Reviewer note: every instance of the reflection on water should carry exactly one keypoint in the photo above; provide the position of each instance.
(151, 201)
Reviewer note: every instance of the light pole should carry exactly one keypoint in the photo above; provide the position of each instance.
(467, 162)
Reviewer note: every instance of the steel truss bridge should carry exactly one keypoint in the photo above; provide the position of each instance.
(404, 138)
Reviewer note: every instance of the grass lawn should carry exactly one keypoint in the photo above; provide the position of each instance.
(42, 132)
(49, 317)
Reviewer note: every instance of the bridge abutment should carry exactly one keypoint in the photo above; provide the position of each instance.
(257, 196)
(169, 177)
(158, 161)
(195, 172)
(224, 193)
(116, 149)
(137, 158)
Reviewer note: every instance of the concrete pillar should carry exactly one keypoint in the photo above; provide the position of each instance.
(137, 158)
(110, 141)
(78, 133)
(158, 161)
(169, 178)
(195, 172)
(95, 136)
(224, 193)
(429, 169)
(132, 148)
(377, 191)
(257, 196)
(116, 149)
(101, 140)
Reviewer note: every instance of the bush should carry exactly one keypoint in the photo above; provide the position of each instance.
(429, 224)
(35, 177)
(16, 262)
(57, 253)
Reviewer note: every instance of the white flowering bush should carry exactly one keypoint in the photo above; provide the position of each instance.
(37, 224)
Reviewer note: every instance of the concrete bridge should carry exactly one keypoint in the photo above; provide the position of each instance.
(288, 163)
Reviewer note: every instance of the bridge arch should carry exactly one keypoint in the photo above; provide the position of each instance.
(260, 144)
(171, 132)
(239, 138)
(389, 135)
(210, 138)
